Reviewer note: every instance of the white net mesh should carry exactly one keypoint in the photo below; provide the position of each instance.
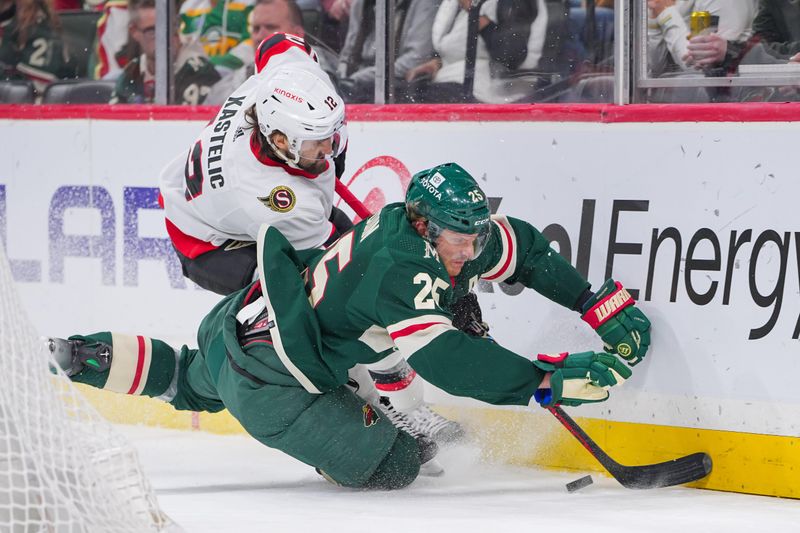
(63, 468)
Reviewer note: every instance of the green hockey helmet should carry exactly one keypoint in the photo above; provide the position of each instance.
(448, 197)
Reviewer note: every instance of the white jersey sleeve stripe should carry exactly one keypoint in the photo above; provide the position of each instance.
(415, 333)
(377, 339)
(393, 329)
(414, 338)
(274, 330)
(130, 365)
(507, 264)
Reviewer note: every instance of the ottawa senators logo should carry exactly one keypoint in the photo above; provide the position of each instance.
(370, 416)
(280, 199)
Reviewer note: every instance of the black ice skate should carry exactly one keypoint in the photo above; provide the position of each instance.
(73, 356)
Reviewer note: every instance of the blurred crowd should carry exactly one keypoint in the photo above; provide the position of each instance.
(744, 37)
(465, 51)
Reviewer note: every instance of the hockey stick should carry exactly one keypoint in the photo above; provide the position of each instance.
(675, 472)
(351, 200)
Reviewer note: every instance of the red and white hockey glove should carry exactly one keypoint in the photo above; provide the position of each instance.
(624, 328)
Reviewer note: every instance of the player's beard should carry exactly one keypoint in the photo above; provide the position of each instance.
(313, 166)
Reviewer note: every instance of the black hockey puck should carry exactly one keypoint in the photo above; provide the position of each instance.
(579, 483)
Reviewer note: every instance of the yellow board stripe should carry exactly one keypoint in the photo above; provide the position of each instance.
(743, 462)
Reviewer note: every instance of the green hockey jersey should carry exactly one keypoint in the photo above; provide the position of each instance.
(218, 26)
(381, 287)
(41, 58)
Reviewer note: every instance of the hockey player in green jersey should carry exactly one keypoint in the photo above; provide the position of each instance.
(276, 354)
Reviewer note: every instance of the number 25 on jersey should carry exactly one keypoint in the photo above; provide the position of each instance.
(342, 251)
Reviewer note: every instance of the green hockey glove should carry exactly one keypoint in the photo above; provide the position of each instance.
(622, 326)
(579, 378)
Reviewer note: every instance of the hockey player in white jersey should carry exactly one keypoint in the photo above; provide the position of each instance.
(271, 155)
(265, 158)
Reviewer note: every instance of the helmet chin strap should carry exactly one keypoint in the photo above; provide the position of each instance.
(292, 160)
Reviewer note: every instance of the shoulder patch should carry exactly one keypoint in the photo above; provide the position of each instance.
(281, 199)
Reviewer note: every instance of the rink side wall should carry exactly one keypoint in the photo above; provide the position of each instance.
(692, 207)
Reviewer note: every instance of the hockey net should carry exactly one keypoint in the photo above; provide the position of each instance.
(63, 468)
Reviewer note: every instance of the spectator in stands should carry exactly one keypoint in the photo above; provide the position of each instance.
(513, 37)
(597, 46)
(776, 39)
(668, 46)
(114, 48)
(218, 26)
(413, 46)
(335, 22)
(136, 83)
(268, 17)
(777, 25)
(31, 47)
(194, 75)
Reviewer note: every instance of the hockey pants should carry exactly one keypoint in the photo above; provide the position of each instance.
(337, 432)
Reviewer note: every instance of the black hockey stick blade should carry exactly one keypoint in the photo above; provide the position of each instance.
(675, 472)
(667, 474)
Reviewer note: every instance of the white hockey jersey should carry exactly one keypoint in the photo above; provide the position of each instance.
(222, 189)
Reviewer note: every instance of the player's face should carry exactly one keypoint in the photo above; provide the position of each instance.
(314, 154)
(455, 249)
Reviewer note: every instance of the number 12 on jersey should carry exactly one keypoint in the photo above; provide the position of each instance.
(193, 172)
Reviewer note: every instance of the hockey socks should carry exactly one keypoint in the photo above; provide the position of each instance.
(400, 384)
(397, 382)
(138, 365)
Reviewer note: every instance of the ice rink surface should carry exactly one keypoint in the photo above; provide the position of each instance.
(209, 483)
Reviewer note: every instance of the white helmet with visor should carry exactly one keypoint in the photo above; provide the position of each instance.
(304, 106)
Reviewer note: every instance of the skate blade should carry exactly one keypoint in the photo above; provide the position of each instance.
(431, 469)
